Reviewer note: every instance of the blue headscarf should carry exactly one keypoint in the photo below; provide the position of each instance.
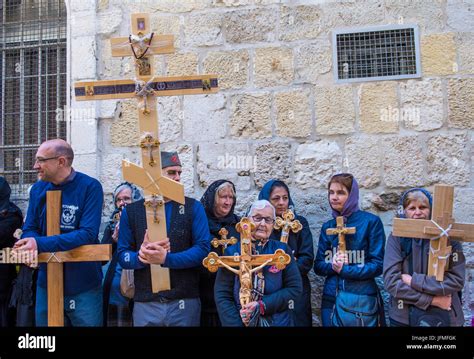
(401, 211)
(268, 188)
(352, 203)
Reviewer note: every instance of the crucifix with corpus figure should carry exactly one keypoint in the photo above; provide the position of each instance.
(341, 230)
(287, 223)
(245, 264)
(439, 230)
(142, 44)
(55, 261)
(223, 241)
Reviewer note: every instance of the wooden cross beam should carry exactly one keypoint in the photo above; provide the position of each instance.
(55, 261)
(287, 223)
(142, 44)
(439, 230)
(223, 241)
(341, 232)
(245, 264)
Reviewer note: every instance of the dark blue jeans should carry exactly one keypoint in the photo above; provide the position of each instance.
(174, 313)
(80, 310)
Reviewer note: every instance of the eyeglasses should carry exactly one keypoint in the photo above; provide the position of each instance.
(258, 219)
(43, 160)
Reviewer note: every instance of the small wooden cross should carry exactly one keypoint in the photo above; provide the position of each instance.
(223, 241)
(246, 263)
(439, 230)
(341, 231)
(287, 224)
(55, 261)
(142, 44)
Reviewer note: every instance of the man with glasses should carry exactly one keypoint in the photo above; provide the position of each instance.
(274, 290)
(81, 200)
(182, 252)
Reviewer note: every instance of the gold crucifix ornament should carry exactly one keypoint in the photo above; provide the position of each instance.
(151, 144)
(287, 223)
(341, 232)
(439, 230)
(245, 264)
(223, 241)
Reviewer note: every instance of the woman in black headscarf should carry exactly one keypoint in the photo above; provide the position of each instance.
(11, 219)
(219, 202)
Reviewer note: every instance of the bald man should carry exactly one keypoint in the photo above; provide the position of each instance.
(82, 199)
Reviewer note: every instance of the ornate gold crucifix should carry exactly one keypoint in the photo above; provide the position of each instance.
(223, 241)
(287, 223)
(245, 264)
(142, 44)
(341, 232)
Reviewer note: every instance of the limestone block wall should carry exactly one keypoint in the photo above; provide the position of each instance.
(279, 113)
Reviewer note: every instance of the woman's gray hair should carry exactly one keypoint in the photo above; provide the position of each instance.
(261, 204)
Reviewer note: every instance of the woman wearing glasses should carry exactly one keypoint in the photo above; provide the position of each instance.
(219, 203)
(301, 243)
(350, 295)
(116, 306)
(273, 292)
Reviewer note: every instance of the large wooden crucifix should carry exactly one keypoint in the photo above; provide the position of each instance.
(245, 264)
(287, 223)
(439, 230)
(55, 261)
(341, 232)
(142, 44)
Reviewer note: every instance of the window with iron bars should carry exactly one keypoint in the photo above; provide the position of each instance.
(389, 52)
(33, 85)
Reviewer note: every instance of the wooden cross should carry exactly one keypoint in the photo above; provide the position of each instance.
(246, 263)
(142, 44)
(286, 224)
(223, 241)
(439, 230)
(55, 261)
(341, 232)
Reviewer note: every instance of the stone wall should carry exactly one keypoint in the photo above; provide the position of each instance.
(278, 112)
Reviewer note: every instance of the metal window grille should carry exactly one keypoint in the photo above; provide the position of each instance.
(32, 86)
(377, 53)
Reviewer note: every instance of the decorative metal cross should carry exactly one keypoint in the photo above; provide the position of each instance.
(287, 224)
(223, 241)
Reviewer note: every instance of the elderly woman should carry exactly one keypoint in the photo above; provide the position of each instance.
(219, 203)
(350, 283)
(116, 306)
(274, 291)
(415, 298)
(301, 243)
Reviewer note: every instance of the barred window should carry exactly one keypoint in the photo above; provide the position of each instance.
(377, 53)
(32, 86)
